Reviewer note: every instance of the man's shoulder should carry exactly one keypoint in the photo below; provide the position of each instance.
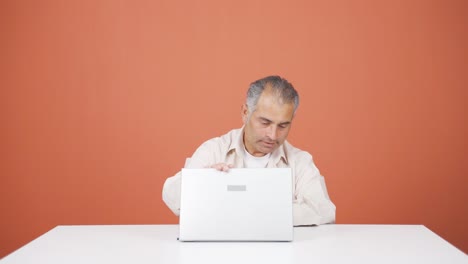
(214, 150)
(293, 153)
(225, 140)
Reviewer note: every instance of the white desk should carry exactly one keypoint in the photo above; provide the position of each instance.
(158, 244)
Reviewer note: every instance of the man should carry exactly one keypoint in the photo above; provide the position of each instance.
(267, 115)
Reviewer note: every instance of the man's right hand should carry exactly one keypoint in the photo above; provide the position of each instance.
(222, 166)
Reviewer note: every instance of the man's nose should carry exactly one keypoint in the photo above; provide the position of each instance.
(272, 132)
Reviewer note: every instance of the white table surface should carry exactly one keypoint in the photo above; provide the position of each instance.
(158, 244)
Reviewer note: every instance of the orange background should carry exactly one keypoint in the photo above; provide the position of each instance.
(101, 101)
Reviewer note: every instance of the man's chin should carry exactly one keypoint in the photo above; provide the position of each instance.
(268, 149)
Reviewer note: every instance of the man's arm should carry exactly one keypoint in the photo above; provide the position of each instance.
(311, 205)
(205, 156)
(171, 193)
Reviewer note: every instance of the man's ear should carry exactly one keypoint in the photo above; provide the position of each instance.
(244, 113)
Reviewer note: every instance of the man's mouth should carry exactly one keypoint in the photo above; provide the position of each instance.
(269, 144)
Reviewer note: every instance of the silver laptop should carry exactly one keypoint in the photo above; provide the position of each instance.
(239, 205)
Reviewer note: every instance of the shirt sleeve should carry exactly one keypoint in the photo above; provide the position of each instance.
(171, 193)
(203, 157)
(311, 204)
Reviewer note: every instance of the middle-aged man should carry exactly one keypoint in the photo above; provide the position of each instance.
(261, 143)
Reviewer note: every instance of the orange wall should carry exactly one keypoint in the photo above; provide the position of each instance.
(102, 100)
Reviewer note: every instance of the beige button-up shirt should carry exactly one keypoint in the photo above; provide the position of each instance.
(311, 204)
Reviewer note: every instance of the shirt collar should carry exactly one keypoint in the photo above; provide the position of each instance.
(237, 145)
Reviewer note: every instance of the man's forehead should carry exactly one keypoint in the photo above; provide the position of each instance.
(285, 118)
(276, 112)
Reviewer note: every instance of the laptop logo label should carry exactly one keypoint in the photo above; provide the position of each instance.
(237, 188)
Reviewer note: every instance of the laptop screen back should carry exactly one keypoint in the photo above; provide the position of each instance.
(239, 205)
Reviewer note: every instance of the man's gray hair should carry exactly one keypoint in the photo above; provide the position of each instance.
(280, 86)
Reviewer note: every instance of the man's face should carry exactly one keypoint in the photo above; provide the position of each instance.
(268, 126)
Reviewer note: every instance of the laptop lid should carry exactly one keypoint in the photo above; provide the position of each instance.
(239, 205)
